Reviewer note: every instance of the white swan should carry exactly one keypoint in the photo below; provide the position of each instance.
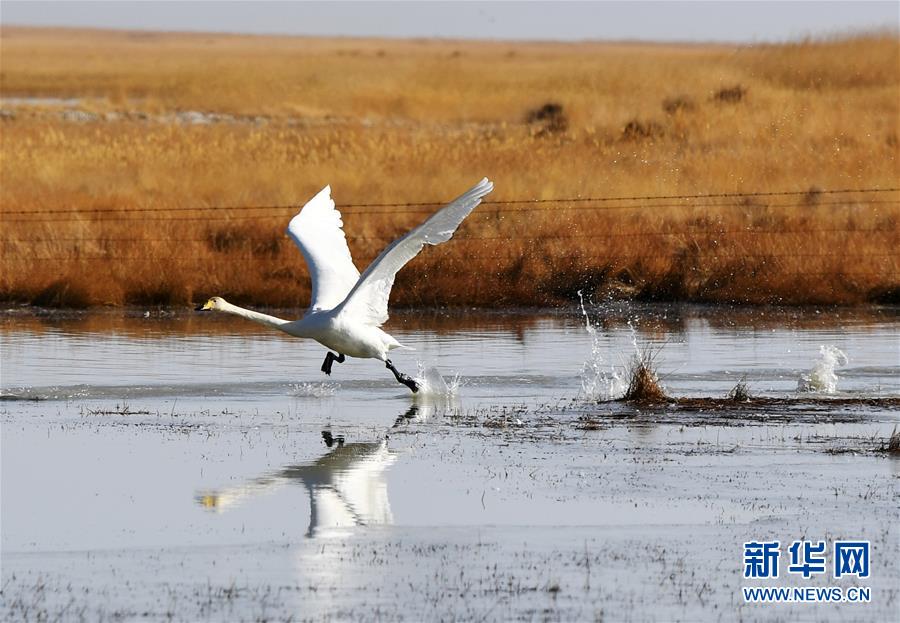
(347, 309)
(347, 487)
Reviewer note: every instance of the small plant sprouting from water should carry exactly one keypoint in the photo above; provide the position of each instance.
(643, 384)
(123, 409)
(740, 392)
(893, 443)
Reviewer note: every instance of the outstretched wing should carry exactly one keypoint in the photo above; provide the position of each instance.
(317, 231)
(368, 300)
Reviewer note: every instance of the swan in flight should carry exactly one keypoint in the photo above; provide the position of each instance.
(347, 309)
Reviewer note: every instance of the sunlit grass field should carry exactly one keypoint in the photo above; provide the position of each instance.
(144, 168)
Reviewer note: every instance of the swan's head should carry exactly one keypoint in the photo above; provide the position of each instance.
(216, 302)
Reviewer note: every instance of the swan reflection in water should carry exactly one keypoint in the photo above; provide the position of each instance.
(347, 486)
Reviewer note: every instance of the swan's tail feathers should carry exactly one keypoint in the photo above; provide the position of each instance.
(399, 345)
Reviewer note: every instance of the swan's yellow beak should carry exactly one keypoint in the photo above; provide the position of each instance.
(209, 501)
(208, 305)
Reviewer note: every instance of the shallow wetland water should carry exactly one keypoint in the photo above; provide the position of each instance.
(201, 468)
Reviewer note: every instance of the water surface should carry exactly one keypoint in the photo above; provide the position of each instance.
(203, 468)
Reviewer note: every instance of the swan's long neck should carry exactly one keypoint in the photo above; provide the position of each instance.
(249, 314)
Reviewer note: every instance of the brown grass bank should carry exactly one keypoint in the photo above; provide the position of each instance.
(107, 137)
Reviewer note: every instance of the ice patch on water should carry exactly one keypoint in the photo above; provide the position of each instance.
(313, 390)
(433, 384)
(601, 381)
(822, 377)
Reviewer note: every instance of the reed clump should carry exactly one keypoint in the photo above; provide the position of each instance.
(643, 383)
(892, 445)
(740, 392)
(107, 138)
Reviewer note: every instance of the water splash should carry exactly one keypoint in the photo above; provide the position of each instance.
(433, 384)
(822, 377)
(313, 390)
(36, 394)
(600, 381)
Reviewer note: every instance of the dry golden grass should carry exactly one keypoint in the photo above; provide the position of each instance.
(412, 121)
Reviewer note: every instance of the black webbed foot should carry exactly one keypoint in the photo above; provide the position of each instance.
(330, 358)
(402, 378)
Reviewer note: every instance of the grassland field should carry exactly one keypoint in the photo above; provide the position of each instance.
(154, 168)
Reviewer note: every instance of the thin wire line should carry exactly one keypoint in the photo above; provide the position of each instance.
(104, 211)
(492, 214)
(781, 193)
(293, 206)
(462, 237)
(257, 258)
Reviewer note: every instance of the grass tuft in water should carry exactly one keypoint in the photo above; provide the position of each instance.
(892, 446)
(740, 392)
(643, 384)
